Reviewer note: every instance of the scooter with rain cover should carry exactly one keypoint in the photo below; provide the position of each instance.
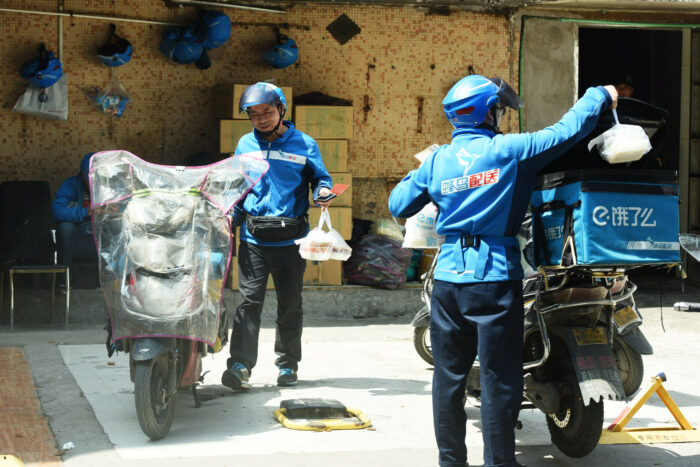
(165, 244)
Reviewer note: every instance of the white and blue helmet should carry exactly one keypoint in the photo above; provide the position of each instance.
(468, 102)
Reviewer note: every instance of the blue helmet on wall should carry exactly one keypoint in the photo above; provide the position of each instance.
(214, 29)
(181, 45)
(116, 51)
(467, 103)
(283, 54)
(43, 71)
(262, 93)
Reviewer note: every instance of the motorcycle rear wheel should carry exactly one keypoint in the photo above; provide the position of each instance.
(421, 341)
(575, 428)
(629, 366)
(155, 405)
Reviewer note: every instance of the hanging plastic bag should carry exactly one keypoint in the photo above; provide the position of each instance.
(320, 245)
(113, 99)
(420, 229)
(51, 102)
(621, 143)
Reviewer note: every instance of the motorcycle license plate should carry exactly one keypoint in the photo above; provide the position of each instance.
(625, 316)
(590, 336)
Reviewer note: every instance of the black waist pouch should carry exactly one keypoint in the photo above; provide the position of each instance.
(276, 229)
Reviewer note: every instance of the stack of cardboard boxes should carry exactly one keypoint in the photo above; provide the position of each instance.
(331, 127)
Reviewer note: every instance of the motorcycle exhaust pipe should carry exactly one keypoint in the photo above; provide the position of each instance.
(544, 396)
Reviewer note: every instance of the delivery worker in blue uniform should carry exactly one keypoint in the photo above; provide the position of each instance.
(272, 216)
(71, 210)
(481, 183)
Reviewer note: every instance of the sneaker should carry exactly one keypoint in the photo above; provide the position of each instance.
(236, 377)
(287, 377)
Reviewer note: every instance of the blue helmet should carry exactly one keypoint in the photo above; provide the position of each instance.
(262, 93)
(468, 102)
(116, 51)
(43, 71)
(282, 54)
(214, 29)
(181, 45)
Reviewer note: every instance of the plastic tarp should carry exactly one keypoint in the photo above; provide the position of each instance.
(164, 241)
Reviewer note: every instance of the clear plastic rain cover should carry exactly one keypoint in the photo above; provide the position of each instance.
(164, 242)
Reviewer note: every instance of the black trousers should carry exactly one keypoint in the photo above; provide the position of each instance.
(287, 267)
(466, 319)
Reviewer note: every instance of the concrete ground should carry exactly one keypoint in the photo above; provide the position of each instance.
(367, 363)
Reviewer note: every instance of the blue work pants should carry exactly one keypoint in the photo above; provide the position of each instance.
(484, 317)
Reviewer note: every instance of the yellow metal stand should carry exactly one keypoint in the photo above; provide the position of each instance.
(617, 434)
(359, 421)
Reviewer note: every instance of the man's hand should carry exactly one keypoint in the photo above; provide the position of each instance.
(613, 94)
(323, 192)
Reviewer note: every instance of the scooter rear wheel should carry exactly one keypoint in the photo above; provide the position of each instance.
(421, 341)
(575, 428)
(155, 405)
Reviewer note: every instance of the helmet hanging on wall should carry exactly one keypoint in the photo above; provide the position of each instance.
(213, 28)
(283, 54)
(467, 103)
(181, 45)
(43, 71)
(116, 51)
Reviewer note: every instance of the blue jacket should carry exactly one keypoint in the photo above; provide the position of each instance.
(482, 183)
(295, 164)
(67, 205)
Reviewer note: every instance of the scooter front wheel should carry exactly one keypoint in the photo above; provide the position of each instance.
(155, 405)
(421, 341)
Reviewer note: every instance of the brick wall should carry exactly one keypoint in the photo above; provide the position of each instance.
(402, 57)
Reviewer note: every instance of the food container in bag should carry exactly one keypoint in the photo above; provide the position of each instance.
(621, 143)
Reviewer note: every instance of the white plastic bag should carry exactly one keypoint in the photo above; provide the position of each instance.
(320, 245)
(113, 99)
(51, 102)
(420, 229)
(622, 143)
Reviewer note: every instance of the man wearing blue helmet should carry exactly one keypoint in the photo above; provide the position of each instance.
(71, 210)
(481, 183)
(272, 216)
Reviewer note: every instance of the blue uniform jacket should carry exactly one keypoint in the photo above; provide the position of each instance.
(482, 183)
(67, 205)
(295, 164)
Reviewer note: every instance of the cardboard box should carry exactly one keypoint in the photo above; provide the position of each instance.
(341, 219)
(344, 200)
(334, 153)
(324, 121)
(323, 273)
(230, 131)
(225, 99)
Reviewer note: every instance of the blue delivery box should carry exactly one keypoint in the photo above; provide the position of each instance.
(598, 217)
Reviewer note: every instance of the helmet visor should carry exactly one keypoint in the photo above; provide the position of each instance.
(506, 95)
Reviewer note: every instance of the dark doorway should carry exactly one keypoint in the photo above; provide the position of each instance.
(649, 60)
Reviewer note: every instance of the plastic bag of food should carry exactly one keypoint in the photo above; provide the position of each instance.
(320, 245)
(420, 229)
(621, 143)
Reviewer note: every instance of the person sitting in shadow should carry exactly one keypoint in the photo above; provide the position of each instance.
(72, 212)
